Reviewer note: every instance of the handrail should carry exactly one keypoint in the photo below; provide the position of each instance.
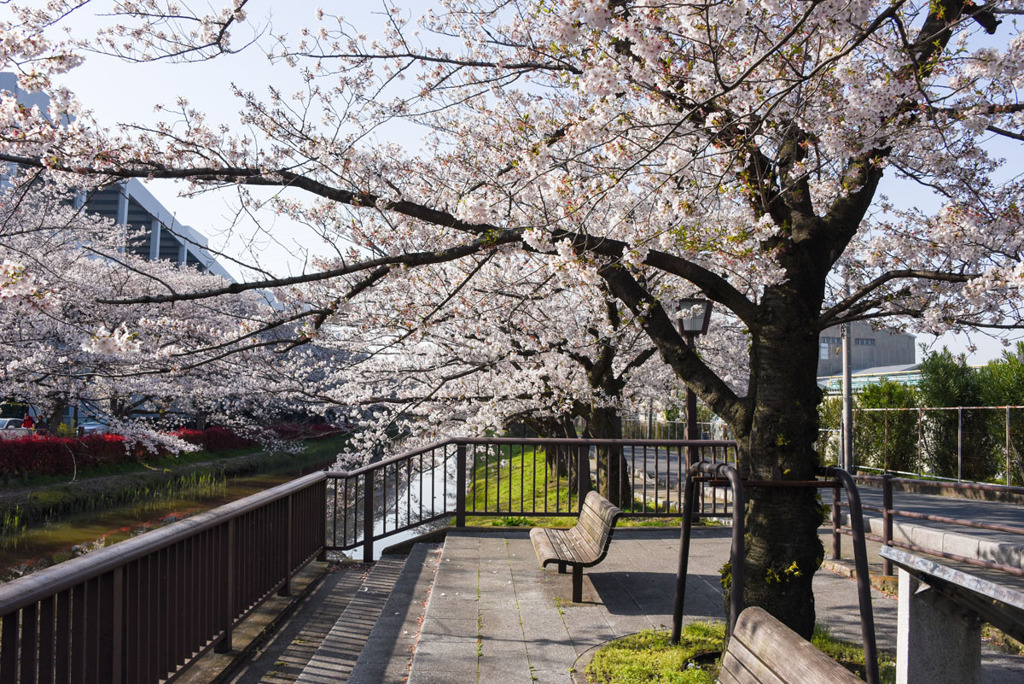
(720, 470)
(888, 512)
(375, 501)
(860, 559)
(529, 441)
(24, 591)
(145, 609)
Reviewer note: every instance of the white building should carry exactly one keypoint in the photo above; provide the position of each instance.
(130, 204)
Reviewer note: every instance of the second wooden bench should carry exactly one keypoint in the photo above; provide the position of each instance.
(762, 650)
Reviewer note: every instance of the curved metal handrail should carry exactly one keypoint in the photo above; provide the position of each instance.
(860, 561)
(721, 471)
(725, 471)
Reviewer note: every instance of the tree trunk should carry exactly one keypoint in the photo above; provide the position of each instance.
(560, 459)
(612, 477)
(783, 550)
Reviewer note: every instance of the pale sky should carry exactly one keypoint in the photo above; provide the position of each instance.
(118, 92)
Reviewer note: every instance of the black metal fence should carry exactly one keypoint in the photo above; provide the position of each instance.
(143, 610)
(512, 478)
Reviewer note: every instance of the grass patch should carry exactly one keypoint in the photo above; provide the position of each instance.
(649, 658)
(851, 655)
(512, 480)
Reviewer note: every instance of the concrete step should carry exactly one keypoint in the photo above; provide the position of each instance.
(281, 656)
(337, 654)
(387, 655)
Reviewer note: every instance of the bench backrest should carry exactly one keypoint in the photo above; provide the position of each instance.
(597, 521)
(762, 650)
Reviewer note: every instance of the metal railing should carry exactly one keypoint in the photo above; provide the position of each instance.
(143, 609)
(510, 478)
(889, 512)
(834, 478)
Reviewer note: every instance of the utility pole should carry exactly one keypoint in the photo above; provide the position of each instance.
(846, 457)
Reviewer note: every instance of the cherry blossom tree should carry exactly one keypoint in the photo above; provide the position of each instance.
(61, 346)
(736, 149)
(462, 348)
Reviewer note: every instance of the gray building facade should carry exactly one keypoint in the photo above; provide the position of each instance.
(870, 348)
(154, 232)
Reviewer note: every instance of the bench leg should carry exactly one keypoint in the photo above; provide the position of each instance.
(577, 584)
(561, 568)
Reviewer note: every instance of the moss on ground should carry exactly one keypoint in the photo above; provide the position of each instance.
(649, 658)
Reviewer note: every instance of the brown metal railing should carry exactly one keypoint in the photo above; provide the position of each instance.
(143, 609)
(888, 512)
(835, 478)
(510, 477)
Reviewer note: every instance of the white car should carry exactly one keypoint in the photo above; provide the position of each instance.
(10, 423)
(90, 427)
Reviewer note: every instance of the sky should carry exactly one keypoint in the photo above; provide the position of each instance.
(117, 91)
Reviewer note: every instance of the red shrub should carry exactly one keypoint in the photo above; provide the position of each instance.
(214, 439)
(57, 456)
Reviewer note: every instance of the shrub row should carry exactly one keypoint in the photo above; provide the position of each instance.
(214, 439)
(53, 455)
(57, 456)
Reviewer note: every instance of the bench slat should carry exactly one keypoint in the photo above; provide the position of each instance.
(746, 667)
(774, 654)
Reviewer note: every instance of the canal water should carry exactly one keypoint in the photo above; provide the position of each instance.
(40, 547)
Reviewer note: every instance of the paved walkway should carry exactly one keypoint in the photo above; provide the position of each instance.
(974, 510)
(495, 615)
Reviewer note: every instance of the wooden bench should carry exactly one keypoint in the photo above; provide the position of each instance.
(583, 545)
(762, 650)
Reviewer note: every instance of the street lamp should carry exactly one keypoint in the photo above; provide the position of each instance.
(694, 316)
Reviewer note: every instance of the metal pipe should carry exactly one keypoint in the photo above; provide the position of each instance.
(718, 471)
(847, 434)
(837, 544)
(684, 555)
(860, 561)
(886, 519)
(959, 444)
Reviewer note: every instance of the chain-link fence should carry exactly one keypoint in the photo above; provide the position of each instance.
(973, 443)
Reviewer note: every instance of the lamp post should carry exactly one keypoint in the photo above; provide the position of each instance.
(694, 316)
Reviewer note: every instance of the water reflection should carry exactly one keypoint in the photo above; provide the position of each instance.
(52, 543)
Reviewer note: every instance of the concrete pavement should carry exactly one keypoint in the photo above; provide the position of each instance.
(495, 615)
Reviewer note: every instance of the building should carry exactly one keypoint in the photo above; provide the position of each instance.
(870, 348)
(157, 235)
(876, 355)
